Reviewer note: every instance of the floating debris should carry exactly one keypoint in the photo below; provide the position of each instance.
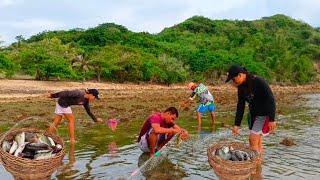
(288, 141)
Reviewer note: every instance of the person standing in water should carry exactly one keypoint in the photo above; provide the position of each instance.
(65, 100)
(206, 102)
(256, 92)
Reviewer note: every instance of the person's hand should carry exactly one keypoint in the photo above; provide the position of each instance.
(99, 120)
(235, 131)
(175, 130)
(272, 126)
(184, 134)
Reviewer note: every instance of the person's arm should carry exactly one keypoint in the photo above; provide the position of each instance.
(75, 93)
(160, 130)
(87, 107)
(192, 96)
(177, 127)
(240, 108)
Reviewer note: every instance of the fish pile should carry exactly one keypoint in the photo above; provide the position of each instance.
(228, 153)
(34, 146)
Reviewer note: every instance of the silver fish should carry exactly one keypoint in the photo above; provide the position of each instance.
(234, 157)
(57, 148)
(20, 138)
(20, 149)
(226, 156)
(31, 137)
(46, 140)
(239, 155)
(43, 151)
(43, 155)
(6, 146)
(51, 141)
(225, 149)
(37, 146)
(14, 147)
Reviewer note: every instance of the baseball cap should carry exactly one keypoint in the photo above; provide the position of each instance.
(233, 71)
(94, 92)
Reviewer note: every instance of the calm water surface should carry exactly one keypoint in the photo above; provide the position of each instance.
(103, 154)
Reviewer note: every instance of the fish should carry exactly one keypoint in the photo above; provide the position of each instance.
(20, 138)
(234, 157)
(225, 149)
(20, 149)
(226, 156)
(43, 151)
(6, 146)
(37, 146)
(43, 155)
(246, 156)
(46, 140)
(14, 147)
(57, 148)
(239, 155)
(51, 141)
(31, 137)
(27, 154)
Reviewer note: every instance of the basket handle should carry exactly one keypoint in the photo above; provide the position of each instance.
(12, 128)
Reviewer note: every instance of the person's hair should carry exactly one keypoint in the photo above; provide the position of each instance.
(172, 110)
(249, 79)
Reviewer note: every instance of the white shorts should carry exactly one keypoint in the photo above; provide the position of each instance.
(61, 110)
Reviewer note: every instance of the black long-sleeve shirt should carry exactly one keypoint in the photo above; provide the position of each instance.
(258, 94)
(75, 97)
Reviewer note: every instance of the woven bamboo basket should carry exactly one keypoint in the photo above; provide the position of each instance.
(235, 169)
(28, 168)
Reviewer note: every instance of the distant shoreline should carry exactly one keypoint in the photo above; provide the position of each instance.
(30, 88)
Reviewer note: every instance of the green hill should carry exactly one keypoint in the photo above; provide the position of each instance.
(279, 48)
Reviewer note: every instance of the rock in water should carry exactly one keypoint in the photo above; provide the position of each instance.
(288, 141)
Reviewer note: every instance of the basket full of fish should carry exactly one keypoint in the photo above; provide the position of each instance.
(31, 151)
(232, 158)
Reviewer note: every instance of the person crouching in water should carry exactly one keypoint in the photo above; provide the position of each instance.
(158, 129)
(256, 92)
(65, 100)
(206, 102)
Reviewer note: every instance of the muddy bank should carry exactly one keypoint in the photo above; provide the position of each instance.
(23, 98)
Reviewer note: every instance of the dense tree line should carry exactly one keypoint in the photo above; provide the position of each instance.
(278, 48)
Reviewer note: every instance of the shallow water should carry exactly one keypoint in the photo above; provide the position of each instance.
(103, 154)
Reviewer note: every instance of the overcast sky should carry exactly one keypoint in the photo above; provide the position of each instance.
(29, 17)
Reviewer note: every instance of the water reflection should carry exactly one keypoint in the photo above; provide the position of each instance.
(113, 149)
(105, 154)
(67, 170)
